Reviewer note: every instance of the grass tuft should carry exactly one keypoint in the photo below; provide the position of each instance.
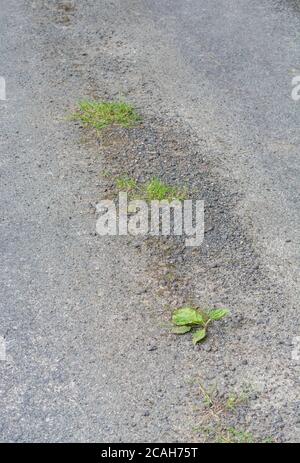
(104, 114)
(126, 184)
(158, 190)
(154, 190)
(236, 436)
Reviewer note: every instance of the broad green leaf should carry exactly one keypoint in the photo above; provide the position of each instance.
(218, 314)
(199, 335)
(187, 316)
(181, 329)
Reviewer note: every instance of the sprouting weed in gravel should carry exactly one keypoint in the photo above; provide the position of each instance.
(234, 400)
(207, 396)
(213, 426)
(106, 174)
(187, 318)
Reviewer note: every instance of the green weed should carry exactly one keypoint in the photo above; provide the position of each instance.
(103, 114)
(154, 190)
(187, 318)
(126, 184)
(158, 190)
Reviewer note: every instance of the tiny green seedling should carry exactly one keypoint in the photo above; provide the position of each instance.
(99, 115)
(106, 174)
(187, 318)
(235, 400)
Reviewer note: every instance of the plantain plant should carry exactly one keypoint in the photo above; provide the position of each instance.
(186, 319)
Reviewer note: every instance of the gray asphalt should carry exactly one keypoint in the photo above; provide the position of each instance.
(87, 356)
(243, 56)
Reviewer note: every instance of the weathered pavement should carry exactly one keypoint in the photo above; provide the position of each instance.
(87, 356)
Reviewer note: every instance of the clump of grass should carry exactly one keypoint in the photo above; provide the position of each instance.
(214, 419)
(220, 434)
(230, 404)
(158, 190)
(232, 435)
(103, 114)
(214, 423)
(236, 436)
(126, 184)
(155, 189)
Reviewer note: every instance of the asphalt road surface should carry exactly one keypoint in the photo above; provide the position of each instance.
(87, 354)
